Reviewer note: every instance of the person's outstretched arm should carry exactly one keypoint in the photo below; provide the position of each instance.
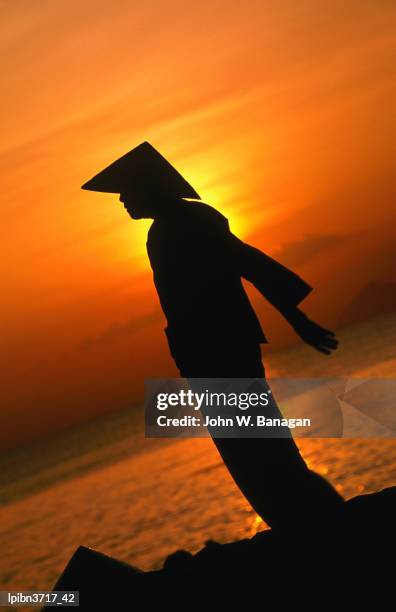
(285, 290)
(323, 340)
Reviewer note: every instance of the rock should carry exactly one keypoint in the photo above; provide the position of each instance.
(361, 541)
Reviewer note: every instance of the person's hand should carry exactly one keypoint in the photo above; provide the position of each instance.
(323, 340)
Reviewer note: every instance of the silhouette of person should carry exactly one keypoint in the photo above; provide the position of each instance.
(213, 331)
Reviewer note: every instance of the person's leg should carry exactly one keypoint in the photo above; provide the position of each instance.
(270, 472)
(276, 481)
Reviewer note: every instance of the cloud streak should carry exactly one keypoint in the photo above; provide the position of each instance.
(299, 252)
(119, 331)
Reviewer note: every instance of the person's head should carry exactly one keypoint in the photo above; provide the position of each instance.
(148, 202)
(149, 186)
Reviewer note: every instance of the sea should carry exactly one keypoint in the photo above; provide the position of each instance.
(104, 485)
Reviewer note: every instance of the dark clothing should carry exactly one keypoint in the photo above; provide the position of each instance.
(213, 332)
(270, 472)
(198, 264)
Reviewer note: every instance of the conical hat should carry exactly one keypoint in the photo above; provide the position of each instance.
(143, 165)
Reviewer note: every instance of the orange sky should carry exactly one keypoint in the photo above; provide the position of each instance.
(280, 113)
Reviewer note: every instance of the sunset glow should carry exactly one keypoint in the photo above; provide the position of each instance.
(278, 113)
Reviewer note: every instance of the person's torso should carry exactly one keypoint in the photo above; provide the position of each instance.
(200, 290)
